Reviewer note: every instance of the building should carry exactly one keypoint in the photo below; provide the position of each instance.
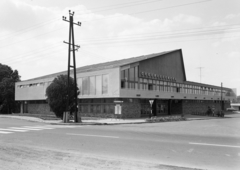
(235, 106)
(130, 84)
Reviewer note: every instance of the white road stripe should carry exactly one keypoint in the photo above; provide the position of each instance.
(5, 132)
(93, 135)
(16, 128)
(37, 127)
(208, 144)
(13, 130)
(31, 128)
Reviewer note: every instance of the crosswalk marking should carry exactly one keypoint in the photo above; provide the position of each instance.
(5, 132)
(29, 128)
(13, 130)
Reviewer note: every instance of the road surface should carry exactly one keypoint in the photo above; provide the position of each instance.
(203, 144)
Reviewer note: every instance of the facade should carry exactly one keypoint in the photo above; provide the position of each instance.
(130, 84)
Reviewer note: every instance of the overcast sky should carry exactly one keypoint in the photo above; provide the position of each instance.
(208, 32)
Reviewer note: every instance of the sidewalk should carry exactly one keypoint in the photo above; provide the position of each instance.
(84, 122)
(110, 121)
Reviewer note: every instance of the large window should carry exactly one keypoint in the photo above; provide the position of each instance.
(79, 84)
(105, 84)
(98, 85)
(85, 86)
(92, 85)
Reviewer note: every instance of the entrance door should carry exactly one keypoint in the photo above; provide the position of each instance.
(162, 107)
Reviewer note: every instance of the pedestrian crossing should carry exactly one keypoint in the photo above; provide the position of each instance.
(10, 130)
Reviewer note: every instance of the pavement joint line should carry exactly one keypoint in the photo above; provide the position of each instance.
(208, 144)
(116, 137)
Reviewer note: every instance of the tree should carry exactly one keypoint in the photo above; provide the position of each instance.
(56, 94)
(8, 78)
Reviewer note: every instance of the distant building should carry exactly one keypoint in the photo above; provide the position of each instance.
(130, 83)
(235, 106)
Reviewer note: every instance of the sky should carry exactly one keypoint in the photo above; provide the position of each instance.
(208, 32)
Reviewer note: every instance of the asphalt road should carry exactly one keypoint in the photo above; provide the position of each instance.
(205, 144)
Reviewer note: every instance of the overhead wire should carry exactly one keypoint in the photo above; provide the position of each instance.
(30, 38)
(32, 53)
(159, 9)
(40, 24)
(151, 43)
(146, 11)
(122, 5)
(159, 36)
(230, 26)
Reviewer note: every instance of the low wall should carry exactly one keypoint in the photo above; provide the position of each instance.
(39, 109)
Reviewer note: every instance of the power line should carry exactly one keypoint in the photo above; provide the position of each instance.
(199, 29)
(156, 37)
(31, 38)
(151, 43)
(32, 53)
(122, 5)
(40, 24)
(141, 12)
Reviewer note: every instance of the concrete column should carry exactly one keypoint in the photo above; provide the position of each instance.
(21, 107)
(169, 106)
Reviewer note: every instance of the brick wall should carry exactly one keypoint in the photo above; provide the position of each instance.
(39, 108)
(192, 107)
(176, 107)
(131, 110)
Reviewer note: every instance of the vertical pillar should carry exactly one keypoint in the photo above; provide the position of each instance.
(21, 107)
(169, 106)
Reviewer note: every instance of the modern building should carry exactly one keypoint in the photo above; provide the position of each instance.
(130, 84)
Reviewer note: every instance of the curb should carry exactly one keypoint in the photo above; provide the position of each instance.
(96, 123)
(88, 123)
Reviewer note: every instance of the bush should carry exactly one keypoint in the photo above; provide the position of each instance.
(56, 94)
(166, 119)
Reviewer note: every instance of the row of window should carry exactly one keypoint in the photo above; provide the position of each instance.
(97, 108)
(130, 80)
(149, 84)
(34, 84)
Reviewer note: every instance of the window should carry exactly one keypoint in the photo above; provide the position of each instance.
(123, 79)
(161, 86)
(145, 83)
(85, 85)
(165, 86)
(154, 85)
(136, 73)
(98, 85)
(140, 83)
(105, 84)
(131, 74)
(92, 85)
(157, 85)
(150, 84)
(79, 84)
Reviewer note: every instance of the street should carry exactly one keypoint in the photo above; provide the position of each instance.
(201, 144)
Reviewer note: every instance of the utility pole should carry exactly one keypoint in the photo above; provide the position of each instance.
(200, 68)
(72, 48)
(221, 97)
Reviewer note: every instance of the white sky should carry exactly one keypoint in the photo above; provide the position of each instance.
(208, 32)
